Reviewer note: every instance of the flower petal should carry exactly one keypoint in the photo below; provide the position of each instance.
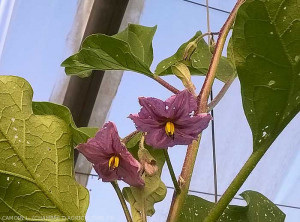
(109, 138)
(152, 107)
(180, 138)
(181, 105)
(129, 170)
(105, 145)
(104, 173)
(144, 124)
(159, 139)
(193, 125)
(91, 151)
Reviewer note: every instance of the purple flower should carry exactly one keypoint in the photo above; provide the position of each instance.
(171, 122)
(110, 157)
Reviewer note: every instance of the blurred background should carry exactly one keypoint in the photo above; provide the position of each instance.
(36, 36)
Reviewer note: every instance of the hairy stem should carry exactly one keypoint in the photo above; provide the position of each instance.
(235, 185)
(189, 162)
(143, 212)
(122, 201)
(206, 88)
(221, 94)
(165, 84)
(186, 175)
(176, 186)
(206, 34)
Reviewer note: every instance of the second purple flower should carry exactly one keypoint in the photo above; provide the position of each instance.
(171, 122)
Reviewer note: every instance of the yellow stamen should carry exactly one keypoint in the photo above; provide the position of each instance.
(113, 162)
(170, 129)
(117, 160)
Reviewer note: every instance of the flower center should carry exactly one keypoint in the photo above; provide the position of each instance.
(170, 129)
(113, 162)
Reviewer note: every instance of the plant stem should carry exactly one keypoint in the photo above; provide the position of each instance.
(221, 94)
(144, 213)
(176, 186)
(206, 88)
(212, 115)
(235, 185)
(206, 34)
(122, 200)
(165, 84)
(186, 175)
(189, 162)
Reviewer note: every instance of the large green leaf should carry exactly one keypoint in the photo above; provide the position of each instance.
(266, 51)
(80, 135)
(130, 49)
(154, 189)
(200, 61)
(230, 55)
(259, 208)
(36, 160)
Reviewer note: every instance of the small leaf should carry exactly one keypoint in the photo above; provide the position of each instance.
(266, 53)
(134, 141)
(80, 135)
(130, 49)
(200, 61)
(89, 131)
(36, 160)
(135, 214)
(259, 208)
(155, 190)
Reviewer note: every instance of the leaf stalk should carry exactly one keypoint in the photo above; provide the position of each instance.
(165, 84)
(122, 201)
(235, 185)
(171, 170)
(221, 94)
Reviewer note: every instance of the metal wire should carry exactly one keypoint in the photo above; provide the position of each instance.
(212, 114)
(203, 5)
(199, 192)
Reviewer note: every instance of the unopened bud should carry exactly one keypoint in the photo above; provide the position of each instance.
(151, 168)
(148, 162)
(189, 50)
(212, 46)
(183, 73)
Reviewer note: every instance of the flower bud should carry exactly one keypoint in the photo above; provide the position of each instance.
(189, 50)
(212, 46)
(183, 73)
(148, 162)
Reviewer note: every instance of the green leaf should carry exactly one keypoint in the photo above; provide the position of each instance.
(139, 39)
(154, 189)
(230, 54)
(134, 141)
(36, 160)
(259, 208)
(80, 135)
(130, 49)
(135, 214)
(266, 52)
(200, 61)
